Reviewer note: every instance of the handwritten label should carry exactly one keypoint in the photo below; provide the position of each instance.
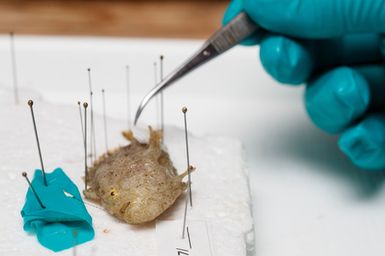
(170, 242)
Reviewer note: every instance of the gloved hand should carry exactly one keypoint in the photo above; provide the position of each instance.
(335, 48)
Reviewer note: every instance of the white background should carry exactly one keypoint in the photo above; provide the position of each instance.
(308, 199)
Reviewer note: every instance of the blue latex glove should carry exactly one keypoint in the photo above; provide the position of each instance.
(335, 48)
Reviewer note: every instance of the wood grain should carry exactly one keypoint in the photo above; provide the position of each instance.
(178, 19)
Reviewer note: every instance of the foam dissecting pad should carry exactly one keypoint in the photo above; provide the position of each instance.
(64, 222)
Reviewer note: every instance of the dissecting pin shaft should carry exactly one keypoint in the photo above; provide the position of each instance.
(33, 189)
(189, 238)
(161, 98)
(157, 98)
(92, 139)
(30, 103)
(184, 110)
(128, 97)
(105, 120)
(185, 210)
(189, 169)
(75, 236)
(85, 105)
(81, 118)
(14, 68)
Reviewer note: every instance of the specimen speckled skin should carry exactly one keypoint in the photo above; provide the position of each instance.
(135, 183)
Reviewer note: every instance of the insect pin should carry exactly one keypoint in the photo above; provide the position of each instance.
(75, 236)
(184, 110)
(93, 137)
(105, 120)
(30, 104)
(81, 118)
(24, 174)
(189, 170)
(85, 105)
(157, 98)
(128, 97)
(14, 67)
(161, 58)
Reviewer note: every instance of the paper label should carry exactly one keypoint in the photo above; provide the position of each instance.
(196, 241)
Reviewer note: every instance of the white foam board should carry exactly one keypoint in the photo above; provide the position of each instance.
(221, 195)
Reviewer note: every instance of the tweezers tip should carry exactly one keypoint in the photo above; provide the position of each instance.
(137, 115)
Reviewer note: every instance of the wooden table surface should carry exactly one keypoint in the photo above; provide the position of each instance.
(175, 19)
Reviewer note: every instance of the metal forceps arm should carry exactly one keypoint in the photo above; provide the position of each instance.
(222, 40)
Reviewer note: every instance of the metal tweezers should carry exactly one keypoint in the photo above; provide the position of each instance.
(222, 40)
